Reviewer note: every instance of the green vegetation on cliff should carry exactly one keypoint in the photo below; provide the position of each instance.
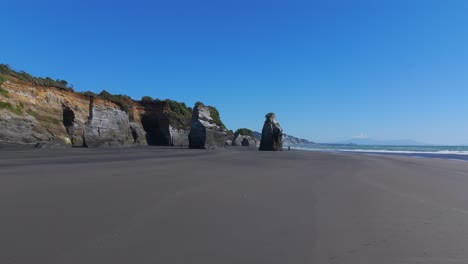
(17, 110)
(146, 99)
(216, 118)
(214, 114)
(180, 114)
(24, 76)
(3, 91)
(33, 113)
(230, 134)
(117, 99)
(245, 132)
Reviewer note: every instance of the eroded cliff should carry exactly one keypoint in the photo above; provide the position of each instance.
(32, 114)
(41, 112)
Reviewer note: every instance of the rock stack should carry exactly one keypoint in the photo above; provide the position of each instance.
(205, 133)
(107, 127)
(244, 139)
(272, 134)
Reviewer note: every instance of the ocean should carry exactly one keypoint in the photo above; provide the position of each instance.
(440, 152)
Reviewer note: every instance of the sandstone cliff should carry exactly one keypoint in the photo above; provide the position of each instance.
(206, 129)
(42, 112)
(271, 134)
(32, 114)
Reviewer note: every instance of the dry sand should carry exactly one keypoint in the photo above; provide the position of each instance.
(156, 205)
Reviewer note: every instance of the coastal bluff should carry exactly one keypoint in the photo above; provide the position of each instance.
(40, 112)
(42, 116)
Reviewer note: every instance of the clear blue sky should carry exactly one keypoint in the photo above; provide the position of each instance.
(330, 70)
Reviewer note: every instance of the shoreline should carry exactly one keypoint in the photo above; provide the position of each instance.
(420, 154)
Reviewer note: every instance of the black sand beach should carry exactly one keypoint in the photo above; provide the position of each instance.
(158, 205)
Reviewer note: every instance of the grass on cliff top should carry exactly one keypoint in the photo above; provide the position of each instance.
(245, 132)
(117, 99)
(179, 116)
(24, 76)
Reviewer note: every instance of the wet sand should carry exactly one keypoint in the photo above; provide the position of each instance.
(158, 205)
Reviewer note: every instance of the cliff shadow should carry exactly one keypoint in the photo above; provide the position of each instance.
(155, 129)
(69, 123)
(68, 118)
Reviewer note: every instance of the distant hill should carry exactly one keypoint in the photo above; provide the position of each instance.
(371, 141)
(287, 139)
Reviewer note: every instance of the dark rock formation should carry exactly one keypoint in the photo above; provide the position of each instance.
(205, 133)
(271, 134)
(244, 140)
(163, 126)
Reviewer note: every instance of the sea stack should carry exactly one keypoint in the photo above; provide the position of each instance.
(244, 137)
(206, 129)
(272, 134)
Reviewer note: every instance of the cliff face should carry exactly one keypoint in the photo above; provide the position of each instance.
(160, 127)
(37, 115)
(205, 133)
(41, 112)
(108, 126)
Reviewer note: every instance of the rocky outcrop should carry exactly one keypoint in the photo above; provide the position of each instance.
(245, 140)
(162, 126)
(205, 131)
(271, 134)
(46, 116)
(107, 126)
